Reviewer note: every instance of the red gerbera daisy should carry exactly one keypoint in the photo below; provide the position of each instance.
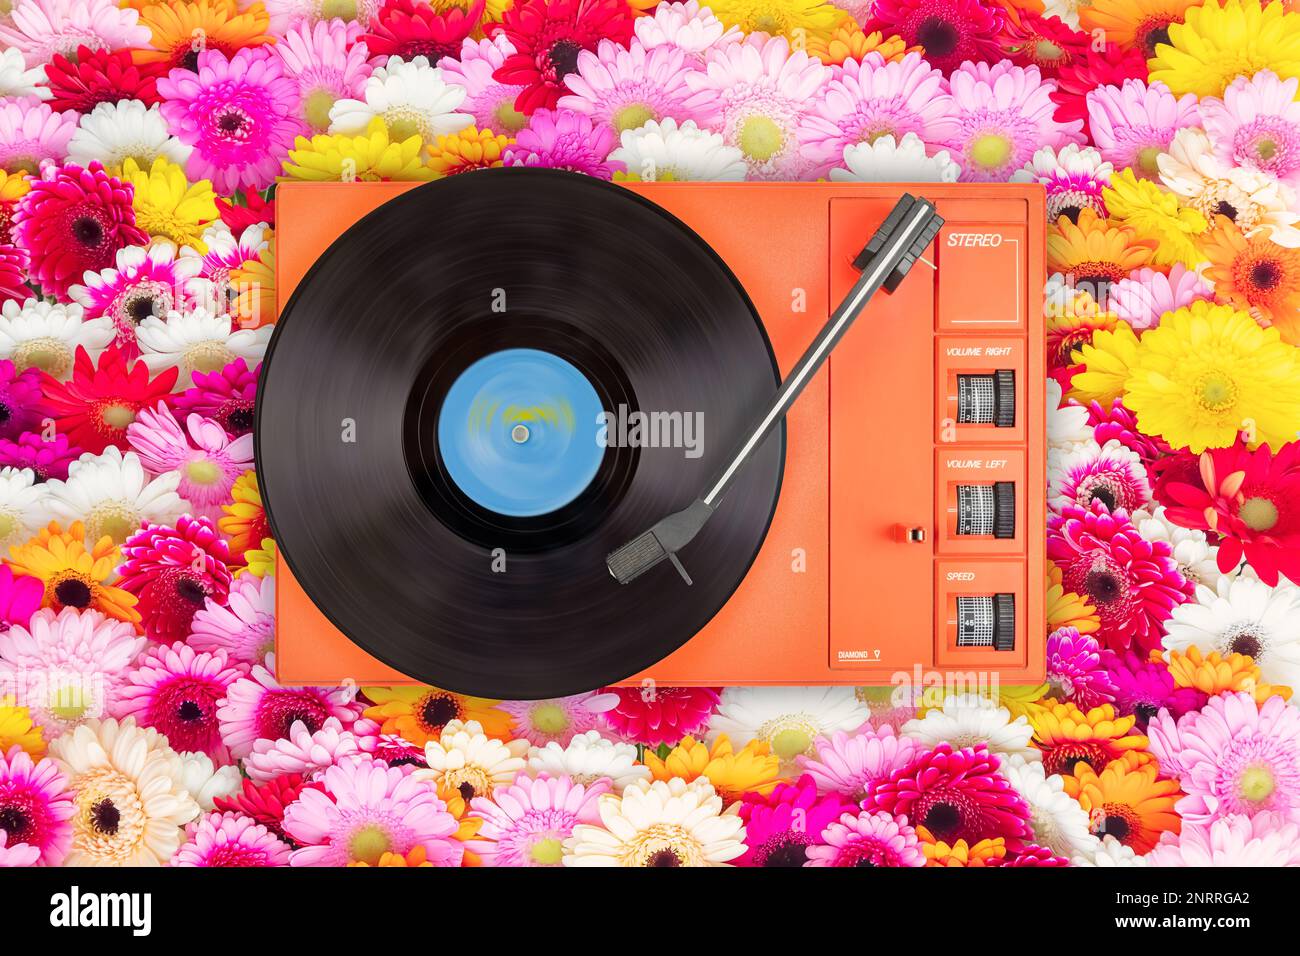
(227, 396)
(660, 715)
(173, 571)
(265, 802)
(548, 35)
(956, 795)
(1087, 71)
(100, 76)
(13, 274)
(75, 220)
(949, 31)
(97, 404)
(254, 211)
(1030, 39)
(411, 28)
(1249, 500)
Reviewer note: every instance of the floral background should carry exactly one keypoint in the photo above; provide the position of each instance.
(140, 147)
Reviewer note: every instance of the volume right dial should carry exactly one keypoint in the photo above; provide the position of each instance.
(987, 399)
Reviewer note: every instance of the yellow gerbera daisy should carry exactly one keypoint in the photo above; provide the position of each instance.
(1068, 736)
(73, 576)
(1067, 609)
(253, 283)
(245, 520)
(1134, 23)
(13, 187)
(1219, 42)
(1107, 360)
(18, 730)
(1127, 800)
(368, 157)
(849, 42)
(167, 205)
(1094, 252)
(471, 148)
(799, 21)
(418, 714)
(755, 769)
(1206, 371)
(961, 853)
(1154, 213)
(1215, 674)
(259, 562)
(220, 23)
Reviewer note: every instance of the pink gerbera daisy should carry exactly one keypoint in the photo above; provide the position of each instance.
(20, 597)
(563, 139)
(1031, 855)
(140, 283)
(625, 88)
(243, 625)
(1134, 123)
(20, 396)
(867, 839)
(229, 839)
(239, 114)
(327, 64)
(227, 396)
(175, 690)
(780, 827)
(950, 31)
(1144, 687)
(47, 459)
(849, 764)
(368, 810)
(1265, 839)
(173, 571)
(207, 458)
(13, 855)
(265, 803)
(1113, 475)
(258, 708)
(653, 715)
(1112, 64)
(1234, 756)
(689, 27)
(14, 263)
(488, 100)
(956, 795)
(1004, 114)
(1257, 124)
(526, 823)
(869, 99)
(1133, 583)
(35, 806)
(1117, 423)
(558, 718)
(42, 28)
(304, 751)
(75, 220)
(31, 133)
(1074, 667)
(1146, 295)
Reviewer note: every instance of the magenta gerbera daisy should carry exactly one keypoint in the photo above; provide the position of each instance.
(950, 31)
(868, 99)
(227, 396)
(47, 459)
(849, 764)
(1073, 178)
(140, 283)
(1031, 855)
(229, 839)
(624, 88)
(74, 220)
(1257, 124)
(1144, 687)
(780, 827)
(20, 396)
(243, 625)
(239, 114)
(1133, 583)
(326, 63)
(265, 803)
(258, 708)
(42, 28)
(1074, 667)
(660, 715)
(14, 264)
(490, 101)
(365, 811)
(1134, 123)
(31, 133)
(1113, 475)
(173, 571)
(563, 139)
(208, 459)
(557, 719)
(956, 795)
(1146, 295)
(867, 839)
(1234, 756)
(175, 690)
(526, 823)
(1117, 423)
(20, 597)
(35, 806)
(304, 751)
(1004, 114)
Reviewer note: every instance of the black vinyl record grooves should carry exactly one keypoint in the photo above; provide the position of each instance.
(365, 509)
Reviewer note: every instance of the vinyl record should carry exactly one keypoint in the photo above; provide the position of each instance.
(447, 436)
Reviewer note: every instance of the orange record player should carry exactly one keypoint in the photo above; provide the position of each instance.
(909, 528)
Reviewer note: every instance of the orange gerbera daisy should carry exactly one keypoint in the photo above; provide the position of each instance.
(220, 23)
(1127, 801)
(938, 853)
(1068, 736)
(418, 714)
(416, 857)
(1134, 23)
(245, 521)
(1072, 320)
(73, 576)
(1067, 609)
(849, 42)
(755, 769)
(471, 148)
(1214, 674)
(1256, 274)
(253, 283)
(1093, 252)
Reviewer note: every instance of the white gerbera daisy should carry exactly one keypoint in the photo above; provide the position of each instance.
(966, 720)
(115, 132)
(111, 494)
(1243, 616)
(1113, 475)
(589, 757)
(1067, 426)
(664, 150)
(131, 799)
(412, 98)
(787, 719)
(466, 759)
(1109, 852)
(886, 161)
(1074, 177)
(1197, 558)
(17, 80)
(40, 335)
(24, 506)
(660, 823)
(198, 341)
(205, 781)
(1059, 823)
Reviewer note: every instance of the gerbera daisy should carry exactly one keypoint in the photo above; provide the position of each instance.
(205, 456)
(38, 335)
(370, 157)
(1029, 38)
(668, 152)
(1073, 319)
(558, 718)
(849, 764)
(1213, 674)
(588, 758)
(1032, 855)
(1256, 274)
(1110, 852)
(115, 132)
(1099, 65)
(306, 752)
(969, 720)
(1057, 821)
(240, 115)
(1114, 422)
(13, 187)
(754, 769)
(884, 161)
(950, 31)
(659, 823)
(1146, 295)
(75, 577)
(1217, 42)
(20, 597)
(90, 77)
(42, 28)
(1133, 124)
(1140, 24)
(954, 794)
(781, 826)
(47, 458)
(17, 80)
(1257, 124)
(527, 823)
(257, 707)
(205, 781)
(421, 714)
(1103, 362)
(1093, 253)
(74, 220)
(253, 211)
(654, 715)
(198, 341)
(142, 282)
(1074, 667)
(688, 26)
(244, 522)
(20, 399)
(259, 562)
(792, 19)
(172, 571)
(31, 134)
(467, 150)
(1127, 801)
(1067, 421)
(166, 205)
(489, 101)
(14, 265)
(243, 625)
(1068, 736)
(265, 803)
(22, 506)
(111, 494)
(327, 63)
(788, 719)
(413, 99)
(1113, 475)
(625, 88)
(466, 760)
(1073, 177)
(1243, 616)
(959, 853)
(97, 404)
(224, 27)
(867, 839)
(229, 839)
(411, 28)
(1266, 839)
(562, 139)
(1145, 688)
(224, 254)
(35, 807)
(851, 42)
(1156, 214)
(1206, 370)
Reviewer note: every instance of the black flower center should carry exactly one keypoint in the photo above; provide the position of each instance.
(564, 58)
(141, 309)
(15, 823)
(231, 123)
(1246, 643)
(1070, 212)
(1155, 37)
(87, 230)
(466, 792)
(1105, 496)
(190, 61)
(942, 818)
(1144, 712)
(1115, 826)
(191, 590)
(438, 710)
(664, 858)
(1103, 586)
(5, 414)
(787, 853)
(189, 711)
(73, 593)
(938, 36)
(105, 817)
(1225, 208)
(1265, 275)
(239, 420)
